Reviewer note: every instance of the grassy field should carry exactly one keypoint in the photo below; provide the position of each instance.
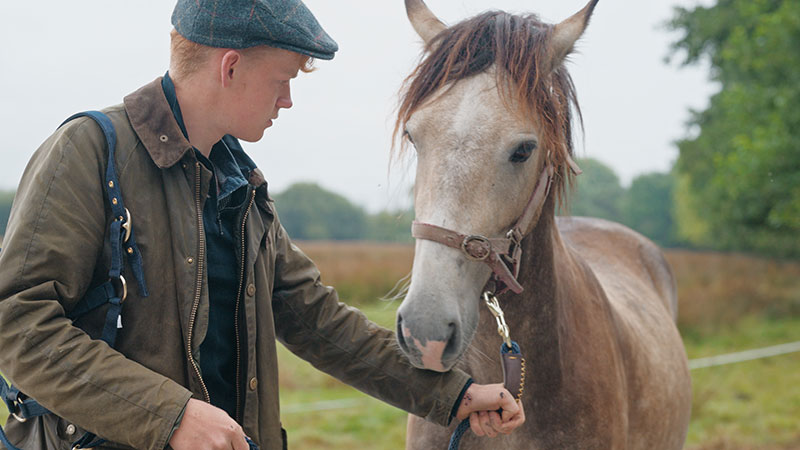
(728, 303)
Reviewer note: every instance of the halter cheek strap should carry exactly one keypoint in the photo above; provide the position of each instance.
(502, 255)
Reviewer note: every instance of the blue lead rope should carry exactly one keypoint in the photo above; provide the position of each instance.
(111, 292)
(455, 438)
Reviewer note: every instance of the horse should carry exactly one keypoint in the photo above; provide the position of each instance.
(489, 111)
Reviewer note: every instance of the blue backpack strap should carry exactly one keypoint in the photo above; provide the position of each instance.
(121, 228)
(114, 291)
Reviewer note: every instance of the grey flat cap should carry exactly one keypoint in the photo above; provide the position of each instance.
(286, 24)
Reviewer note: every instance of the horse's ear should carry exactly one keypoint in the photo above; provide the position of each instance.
(566, 33)
(425, 23)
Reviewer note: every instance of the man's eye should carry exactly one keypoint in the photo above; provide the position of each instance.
(523, 152)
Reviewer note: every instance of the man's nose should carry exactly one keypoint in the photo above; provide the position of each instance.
(285, 99)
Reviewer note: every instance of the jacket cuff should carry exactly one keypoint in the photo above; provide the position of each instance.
(176, 424)
(453, 385)
(175, 418)
(454, 411)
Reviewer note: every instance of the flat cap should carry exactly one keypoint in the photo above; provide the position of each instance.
(286, 24)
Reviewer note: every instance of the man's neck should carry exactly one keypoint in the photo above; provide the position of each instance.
(197, 108)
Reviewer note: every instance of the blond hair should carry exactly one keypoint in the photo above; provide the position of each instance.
(186, 57)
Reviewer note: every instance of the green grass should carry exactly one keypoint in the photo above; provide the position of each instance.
(364, 424)
(750, 405)
(754, 404)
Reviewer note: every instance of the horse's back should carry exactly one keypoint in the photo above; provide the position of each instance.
(616, 252)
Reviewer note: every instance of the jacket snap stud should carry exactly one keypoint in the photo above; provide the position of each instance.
(114, 200)
(111, 184)
(253, 384)
(251, 290)
(164, 138)
(190, 260)
(71, 429)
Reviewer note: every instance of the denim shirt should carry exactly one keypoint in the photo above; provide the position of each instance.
(221, 214)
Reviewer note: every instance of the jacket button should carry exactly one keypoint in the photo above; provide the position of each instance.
(190, 260)
(253, 384)
(251, 290)
(71, 429)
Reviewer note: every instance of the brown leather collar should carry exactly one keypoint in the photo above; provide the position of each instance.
(154, 123)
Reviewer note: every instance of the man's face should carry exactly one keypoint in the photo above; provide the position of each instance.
(260, 89)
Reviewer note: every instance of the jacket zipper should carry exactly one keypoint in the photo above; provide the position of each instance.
(236, 312)
(198, 282)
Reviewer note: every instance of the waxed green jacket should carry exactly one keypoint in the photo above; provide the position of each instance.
(55, 249)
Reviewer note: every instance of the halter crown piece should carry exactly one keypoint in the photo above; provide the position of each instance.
(502, 255)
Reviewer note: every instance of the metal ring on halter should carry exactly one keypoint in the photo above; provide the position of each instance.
(127, 225)
(485, 245)
(123, 286)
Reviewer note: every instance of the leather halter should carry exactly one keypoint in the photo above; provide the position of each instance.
(502, 255)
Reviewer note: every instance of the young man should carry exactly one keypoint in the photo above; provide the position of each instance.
(194, 364)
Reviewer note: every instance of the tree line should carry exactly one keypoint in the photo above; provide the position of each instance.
(735, 185)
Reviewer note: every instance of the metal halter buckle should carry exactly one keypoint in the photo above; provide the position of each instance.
(485, 246)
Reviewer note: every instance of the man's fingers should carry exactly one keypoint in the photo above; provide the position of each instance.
(240, 443)
(514, 422)
(474, 424)
(496, 422)
(486, 423)
(509, 405)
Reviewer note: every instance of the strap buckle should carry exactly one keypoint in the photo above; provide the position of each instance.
(120, 288)
(126, 225)
(476, 247)
(17, 413)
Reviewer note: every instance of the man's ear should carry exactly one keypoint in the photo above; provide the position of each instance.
(229, 64)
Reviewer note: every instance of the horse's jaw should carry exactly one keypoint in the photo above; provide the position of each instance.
(437, 319)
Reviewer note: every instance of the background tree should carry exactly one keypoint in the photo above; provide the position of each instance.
(6, 199)
(739, 178)
(308, 211)
(648, 207)
(598, 192)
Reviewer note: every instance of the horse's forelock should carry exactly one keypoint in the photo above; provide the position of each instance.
(519, 47)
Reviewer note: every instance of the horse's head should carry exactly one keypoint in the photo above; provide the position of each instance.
(488, 111)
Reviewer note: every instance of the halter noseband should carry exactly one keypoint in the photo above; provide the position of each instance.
(502, 255)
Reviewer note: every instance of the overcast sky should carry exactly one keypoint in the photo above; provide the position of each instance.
(62, 57)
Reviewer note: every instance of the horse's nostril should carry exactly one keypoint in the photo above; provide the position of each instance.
(401, 340)
(453, 339)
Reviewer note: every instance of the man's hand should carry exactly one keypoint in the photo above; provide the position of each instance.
(207, 427)
(481, 404)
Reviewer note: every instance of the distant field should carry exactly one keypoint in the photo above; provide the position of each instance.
(727, 303)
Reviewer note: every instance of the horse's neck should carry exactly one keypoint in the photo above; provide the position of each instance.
(534, 315)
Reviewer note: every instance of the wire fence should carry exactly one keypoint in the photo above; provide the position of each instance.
(697, 363)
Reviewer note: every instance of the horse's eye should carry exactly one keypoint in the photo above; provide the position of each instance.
(408, 136)
(523, 152)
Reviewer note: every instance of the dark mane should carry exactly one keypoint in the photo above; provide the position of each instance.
(519, 47)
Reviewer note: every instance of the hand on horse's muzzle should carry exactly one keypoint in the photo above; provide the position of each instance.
(491, 409)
